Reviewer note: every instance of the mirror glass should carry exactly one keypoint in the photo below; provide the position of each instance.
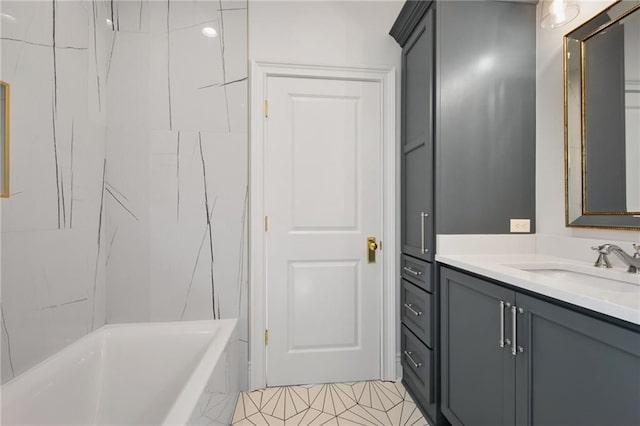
(602, 101)
(4, 139)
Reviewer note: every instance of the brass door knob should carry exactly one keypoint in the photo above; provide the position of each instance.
(373, 246)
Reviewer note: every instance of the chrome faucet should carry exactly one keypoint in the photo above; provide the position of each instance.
(632, 261)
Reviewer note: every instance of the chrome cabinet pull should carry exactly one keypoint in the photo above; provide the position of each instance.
(411, 271)
(514, 318)
(410, 358)
(423, 215)
(409, 306)
(502, 340)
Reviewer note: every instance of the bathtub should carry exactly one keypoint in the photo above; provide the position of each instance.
(131, 374)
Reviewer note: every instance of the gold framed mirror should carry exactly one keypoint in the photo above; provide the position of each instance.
(4, 142)
(602, 119)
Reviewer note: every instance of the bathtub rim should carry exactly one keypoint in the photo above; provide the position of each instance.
(189, 397)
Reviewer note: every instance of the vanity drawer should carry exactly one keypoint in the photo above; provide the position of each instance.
(416, 307)
(417, 365)
(417, 271)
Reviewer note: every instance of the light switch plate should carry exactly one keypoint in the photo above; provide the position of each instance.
(520, 225)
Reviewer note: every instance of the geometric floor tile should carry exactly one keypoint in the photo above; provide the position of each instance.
(374, 403)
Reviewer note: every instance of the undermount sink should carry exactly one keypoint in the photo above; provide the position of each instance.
(578, 273)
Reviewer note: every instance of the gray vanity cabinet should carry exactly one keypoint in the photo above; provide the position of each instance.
(574, 369)
(569, 368)
(478, 386)
(417, 140)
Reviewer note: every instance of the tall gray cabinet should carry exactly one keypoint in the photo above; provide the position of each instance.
(467, 152)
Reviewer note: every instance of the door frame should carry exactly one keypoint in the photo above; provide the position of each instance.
(386, 78)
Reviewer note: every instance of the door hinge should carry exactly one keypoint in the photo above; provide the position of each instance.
(266, 337)
(266, 224)
(266, 108)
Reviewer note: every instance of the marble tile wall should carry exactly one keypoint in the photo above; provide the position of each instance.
(177, 152)
(136, 210)
(53, 227)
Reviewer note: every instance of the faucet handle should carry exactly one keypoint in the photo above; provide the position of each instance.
(636, 247)
(603, 260)
(603, 249)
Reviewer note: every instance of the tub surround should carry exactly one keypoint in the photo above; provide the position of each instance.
(54, 55)
(503, 257)
(129, 170)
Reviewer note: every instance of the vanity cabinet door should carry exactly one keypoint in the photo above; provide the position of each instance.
(575, 369)
(417, 140)
(478, 376)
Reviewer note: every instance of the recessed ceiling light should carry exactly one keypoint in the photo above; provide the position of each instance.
(209, 32)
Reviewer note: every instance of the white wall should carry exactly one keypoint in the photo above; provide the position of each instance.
(550, 132)
(53, 224)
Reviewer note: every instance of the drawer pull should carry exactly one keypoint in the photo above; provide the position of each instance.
(409, 306)
(410, 358)
(514, 318)
(503, 341)
(411, 271)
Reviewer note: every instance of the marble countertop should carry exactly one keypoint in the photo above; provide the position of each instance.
(619, 297)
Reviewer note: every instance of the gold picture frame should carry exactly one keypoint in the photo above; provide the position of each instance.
(5, 103)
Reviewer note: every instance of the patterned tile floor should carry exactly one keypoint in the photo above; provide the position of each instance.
(364, 403)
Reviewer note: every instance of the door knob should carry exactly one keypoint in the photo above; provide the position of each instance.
(372, 246)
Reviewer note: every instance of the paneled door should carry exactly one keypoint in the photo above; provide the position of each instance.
(323, 201)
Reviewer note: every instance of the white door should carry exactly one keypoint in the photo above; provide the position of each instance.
(323, 199)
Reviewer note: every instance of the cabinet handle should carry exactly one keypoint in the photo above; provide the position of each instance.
(410, 358)
(514, 318)
(411, 271)
(502, 340)
(409, 306)
(422, 216)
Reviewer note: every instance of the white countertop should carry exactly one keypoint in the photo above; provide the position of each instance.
(619, 297)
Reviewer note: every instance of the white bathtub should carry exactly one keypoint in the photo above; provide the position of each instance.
(130, 374)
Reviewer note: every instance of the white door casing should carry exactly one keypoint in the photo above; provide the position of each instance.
(317, 171)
